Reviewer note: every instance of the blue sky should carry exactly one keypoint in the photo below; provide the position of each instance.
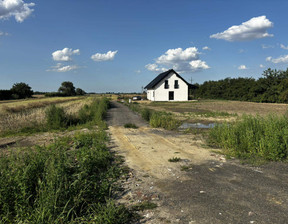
(120, 46)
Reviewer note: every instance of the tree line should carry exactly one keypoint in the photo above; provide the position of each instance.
(272, 87)
(22, 90)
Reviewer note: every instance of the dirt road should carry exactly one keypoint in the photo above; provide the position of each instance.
(210, 190)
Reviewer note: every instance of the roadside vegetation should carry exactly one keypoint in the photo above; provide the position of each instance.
(253, 137)
(70, 181)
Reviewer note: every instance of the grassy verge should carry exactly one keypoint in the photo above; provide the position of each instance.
(257, 137)
(156, 119)
(70, 181)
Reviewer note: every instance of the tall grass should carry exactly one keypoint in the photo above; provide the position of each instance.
(69, 181)
(263, 137)
(163, 120)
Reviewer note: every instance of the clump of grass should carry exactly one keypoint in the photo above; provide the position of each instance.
(174, 159)
(70, 181)
(56, 117)
(146, 114)
(253, 137)
(130, 125)
(145, 205)
(164, 120)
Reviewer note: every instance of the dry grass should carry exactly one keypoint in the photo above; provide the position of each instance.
(31, 114)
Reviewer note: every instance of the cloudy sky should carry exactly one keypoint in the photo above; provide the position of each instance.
(120, 46)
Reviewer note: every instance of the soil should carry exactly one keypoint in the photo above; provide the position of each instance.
(202, 187)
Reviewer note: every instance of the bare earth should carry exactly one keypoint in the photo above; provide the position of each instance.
(212, 190)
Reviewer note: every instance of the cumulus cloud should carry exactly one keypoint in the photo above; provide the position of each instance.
(261, 66)
(206, 48)
(63, 68)
(110, 55)
(186, 60)
(252, 29)
(65, 54)
(155, 68)
(281, 59)
(284, 47)
(242, 67)
(17, 8)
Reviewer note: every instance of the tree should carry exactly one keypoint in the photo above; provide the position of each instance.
(80, 92)
(21, 90)
(67, 89)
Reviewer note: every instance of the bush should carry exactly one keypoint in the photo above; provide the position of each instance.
(130, 125)
(56, 117)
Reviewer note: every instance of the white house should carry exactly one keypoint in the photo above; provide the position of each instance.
(168, 86)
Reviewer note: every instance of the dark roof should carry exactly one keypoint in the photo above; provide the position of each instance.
(160, 77)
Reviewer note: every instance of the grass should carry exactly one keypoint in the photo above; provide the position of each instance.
(88, 111)
(253, 138)
(163, 120)
(130, 125)
(70, 181)
(174, 159)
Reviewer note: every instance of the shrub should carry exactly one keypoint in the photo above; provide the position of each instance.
(56, 117)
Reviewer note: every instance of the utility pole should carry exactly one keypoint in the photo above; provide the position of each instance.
(191, 80)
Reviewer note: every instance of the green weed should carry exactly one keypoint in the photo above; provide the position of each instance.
(174, 159)
(130, 125)
(253, 137)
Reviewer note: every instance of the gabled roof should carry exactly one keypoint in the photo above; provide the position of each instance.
(162, 76)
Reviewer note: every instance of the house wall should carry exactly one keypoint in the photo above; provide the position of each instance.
(162, 94)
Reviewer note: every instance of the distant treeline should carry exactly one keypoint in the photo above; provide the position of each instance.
(271, 88)
(18, 91)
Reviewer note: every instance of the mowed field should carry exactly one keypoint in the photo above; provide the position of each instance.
(216, 110)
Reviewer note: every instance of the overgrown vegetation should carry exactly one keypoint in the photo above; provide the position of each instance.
(163, 120)
(70, 181)
(253, 137)
(272, 88)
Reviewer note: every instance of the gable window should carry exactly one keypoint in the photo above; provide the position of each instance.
(166, 86)
(176, 85)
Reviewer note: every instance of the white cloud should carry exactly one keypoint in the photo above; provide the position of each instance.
(261, 66)
(104, 57)
(65, 54)
(155, 68)
(281, 59)
(186, 60)
(254, 28)
(16, 8)
(138, 71)
(284, 47)
(264, 46)
(206, 48)
(242, 67)
(63, 68)
(3, 33)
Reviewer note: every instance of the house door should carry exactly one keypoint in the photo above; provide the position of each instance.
(171, 95)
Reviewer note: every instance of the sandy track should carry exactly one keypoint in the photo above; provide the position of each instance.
(150, 149)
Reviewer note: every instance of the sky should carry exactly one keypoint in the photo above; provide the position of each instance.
(120, 46)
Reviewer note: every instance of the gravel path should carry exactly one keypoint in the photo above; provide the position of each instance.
(210, 191)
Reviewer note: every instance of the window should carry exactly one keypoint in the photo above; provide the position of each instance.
(166, 86)
(176, 85)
